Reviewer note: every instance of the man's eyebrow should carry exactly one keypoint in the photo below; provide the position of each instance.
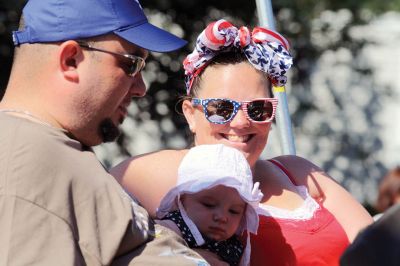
(140, 52)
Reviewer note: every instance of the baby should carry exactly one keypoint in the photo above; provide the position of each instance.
(213, 203)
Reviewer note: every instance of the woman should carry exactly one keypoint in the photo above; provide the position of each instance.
(306, 218)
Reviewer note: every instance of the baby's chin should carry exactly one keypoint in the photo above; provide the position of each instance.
(216, 237)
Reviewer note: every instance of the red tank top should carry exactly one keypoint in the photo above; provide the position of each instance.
(319, 240)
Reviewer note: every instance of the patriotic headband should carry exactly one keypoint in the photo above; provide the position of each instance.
(265, 49)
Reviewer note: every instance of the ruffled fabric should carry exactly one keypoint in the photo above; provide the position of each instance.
(265, 49)
(303, 212)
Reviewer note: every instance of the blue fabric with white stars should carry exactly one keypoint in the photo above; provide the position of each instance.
(230, 250)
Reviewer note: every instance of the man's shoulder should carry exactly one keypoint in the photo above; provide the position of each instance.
(18, 131)
(39, 156)
(378, 244)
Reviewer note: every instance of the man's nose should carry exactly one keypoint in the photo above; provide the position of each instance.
(138, 88)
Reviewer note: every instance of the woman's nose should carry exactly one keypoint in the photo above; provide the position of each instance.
(240, 120)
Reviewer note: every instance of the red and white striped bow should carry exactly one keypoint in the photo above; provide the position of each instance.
(265, 49)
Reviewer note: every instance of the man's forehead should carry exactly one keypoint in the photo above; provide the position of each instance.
(132, 48)
(128, 47)
(143, 53)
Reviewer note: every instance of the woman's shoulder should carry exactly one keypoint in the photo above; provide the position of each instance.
(289, 160)
(168, 153)
(292, 163)
(149, 176)
(167, 156)
(152, 159)
(298, 170)
(297, 166)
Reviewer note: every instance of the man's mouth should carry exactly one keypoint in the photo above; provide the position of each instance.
(122, 113)
(124, 110)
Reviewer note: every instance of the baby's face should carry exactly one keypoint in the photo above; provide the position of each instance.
(217, 212)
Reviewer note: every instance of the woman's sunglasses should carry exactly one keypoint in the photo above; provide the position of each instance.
(221, 111)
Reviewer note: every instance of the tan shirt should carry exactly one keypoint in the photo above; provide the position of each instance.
(58, 206)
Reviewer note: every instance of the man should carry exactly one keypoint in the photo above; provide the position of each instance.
(76, 67)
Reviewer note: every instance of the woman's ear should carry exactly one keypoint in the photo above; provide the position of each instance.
(188, 112)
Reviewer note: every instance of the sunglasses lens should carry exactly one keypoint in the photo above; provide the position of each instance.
(260, 110)
(137, 65)
(219, 111)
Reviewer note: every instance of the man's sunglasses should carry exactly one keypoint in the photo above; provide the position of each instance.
(221, 111)
(136, 63)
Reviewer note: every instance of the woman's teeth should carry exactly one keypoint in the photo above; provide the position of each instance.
(235, 138)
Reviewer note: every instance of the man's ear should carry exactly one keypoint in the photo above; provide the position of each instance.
(188, 112)
(70, 55)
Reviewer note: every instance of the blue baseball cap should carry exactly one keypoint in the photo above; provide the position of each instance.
(61, 20)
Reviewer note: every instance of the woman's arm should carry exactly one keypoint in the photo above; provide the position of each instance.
(349, 212)
(150, 176)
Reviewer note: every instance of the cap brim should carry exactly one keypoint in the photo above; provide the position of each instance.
(151, 38)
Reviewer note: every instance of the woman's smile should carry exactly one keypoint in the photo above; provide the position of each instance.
(236, 138)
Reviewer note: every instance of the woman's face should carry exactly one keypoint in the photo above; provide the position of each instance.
(239, 82)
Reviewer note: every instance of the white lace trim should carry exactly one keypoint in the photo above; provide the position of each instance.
(304, 212)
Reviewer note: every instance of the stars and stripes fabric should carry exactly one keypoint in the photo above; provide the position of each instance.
(265, 49)
(229, 250)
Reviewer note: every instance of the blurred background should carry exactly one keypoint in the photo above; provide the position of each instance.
(343, 91)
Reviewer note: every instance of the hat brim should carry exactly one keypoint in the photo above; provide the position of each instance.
(169, 203)
(151, 38)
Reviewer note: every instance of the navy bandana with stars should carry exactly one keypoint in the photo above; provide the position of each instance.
(229, 250)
